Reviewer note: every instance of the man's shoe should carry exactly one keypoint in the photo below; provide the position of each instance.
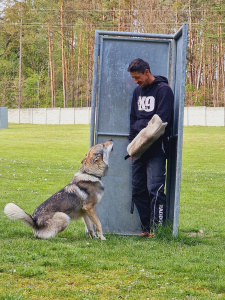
(144, 234)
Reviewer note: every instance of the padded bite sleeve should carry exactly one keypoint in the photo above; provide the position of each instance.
(146, 137)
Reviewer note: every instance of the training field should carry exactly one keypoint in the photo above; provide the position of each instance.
(37, 160)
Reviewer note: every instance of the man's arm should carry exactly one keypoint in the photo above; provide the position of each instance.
(165, 103)
(133, 119)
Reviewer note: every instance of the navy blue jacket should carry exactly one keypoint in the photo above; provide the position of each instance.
(156, 98)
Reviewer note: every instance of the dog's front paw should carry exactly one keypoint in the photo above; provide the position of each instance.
(92, 235)
(102, 238)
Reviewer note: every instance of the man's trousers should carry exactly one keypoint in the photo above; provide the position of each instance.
(148, 182)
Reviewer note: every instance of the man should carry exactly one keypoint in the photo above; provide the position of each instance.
(152, 96)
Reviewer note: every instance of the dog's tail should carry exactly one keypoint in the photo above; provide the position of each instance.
(14, 212)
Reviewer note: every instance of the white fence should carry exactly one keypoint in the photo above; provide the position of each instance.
(201, 115)
(204, 116)
(50, 115)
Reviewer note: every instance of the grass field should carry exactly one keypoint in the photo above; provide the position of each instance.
(38, 160)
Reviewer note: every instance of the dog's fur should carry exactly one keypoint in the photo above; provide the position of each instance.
(75, 200)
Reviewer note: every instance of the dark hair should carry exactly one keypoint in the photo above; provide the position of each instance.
(138, 65)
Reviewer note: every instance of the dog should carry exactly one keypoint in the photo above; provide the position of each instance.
(77, 199)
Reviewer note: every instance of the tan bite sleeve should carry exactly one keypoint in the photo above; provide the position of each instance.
(146, 137)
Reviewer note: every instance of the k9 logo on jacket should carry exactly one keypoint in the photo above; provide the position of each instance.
(146, 103)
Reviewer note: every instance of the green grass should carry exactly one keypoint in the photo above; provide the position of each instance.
(37, 160)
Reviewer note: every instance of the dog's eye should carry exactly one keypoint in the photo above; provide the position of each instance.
(98, 154)
(96, 157)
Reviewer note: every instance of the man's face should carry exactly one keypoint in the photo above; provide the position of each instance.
(141, 79)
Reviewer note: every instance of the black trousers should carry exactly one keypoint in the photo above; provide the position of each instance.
(148, 183)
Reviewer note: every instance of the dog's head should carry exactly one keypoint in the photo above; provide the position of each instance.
(96, 160)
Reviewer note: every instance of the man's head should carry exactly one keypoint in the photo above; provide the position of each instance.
(140, 72)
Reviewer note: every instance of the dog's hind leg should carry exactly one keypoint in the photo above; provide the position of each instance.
(89, 226)
(53, 226)
(94, 218)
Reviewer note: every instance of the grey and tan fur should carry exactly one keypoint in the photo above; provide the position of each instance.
(75, 200)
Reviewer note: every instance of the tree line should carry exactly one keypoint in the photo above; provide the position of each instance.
(46, 46)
